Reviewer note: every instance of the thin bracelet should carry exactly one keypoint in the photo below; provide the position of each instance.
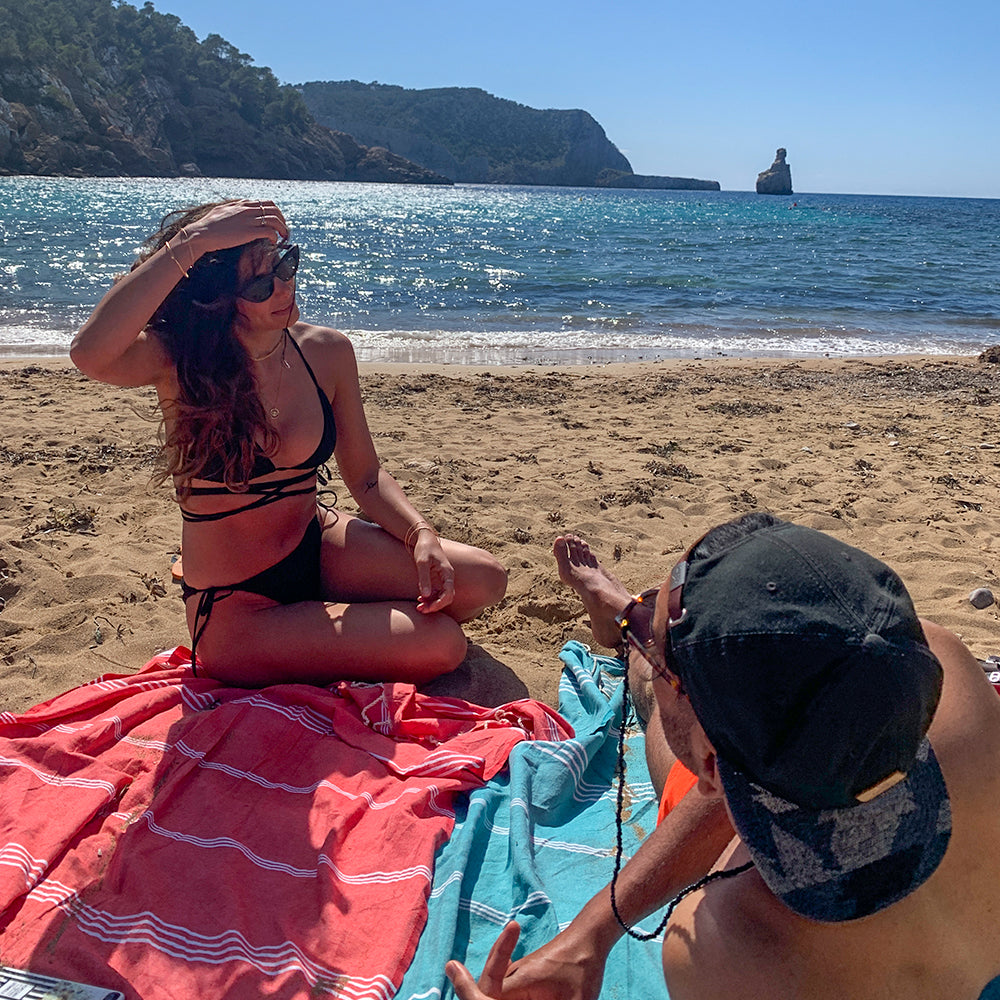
(170, 254)
(415, 530)
(187, 239)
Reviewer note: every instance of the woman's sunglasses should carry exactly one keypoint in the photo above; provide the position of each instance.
(261, 288)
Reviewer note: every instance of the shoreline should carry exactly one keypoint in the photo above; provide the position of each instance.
(897, 455)
(569, 358)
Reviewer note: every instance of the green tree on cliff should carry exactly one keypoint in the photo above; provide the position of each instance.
(78, 39)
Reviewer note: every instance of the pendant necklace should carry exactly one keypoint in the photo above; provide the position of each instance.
(274, 411)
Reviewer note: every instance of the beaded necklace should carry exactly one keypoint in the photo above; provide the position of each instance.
(619, 849)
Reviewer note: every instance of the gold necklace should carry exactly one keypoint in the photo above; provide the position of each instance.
(267, 354)
(274, 411)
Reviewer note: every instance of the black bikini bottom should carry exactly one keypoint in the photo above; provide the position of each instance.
(293, 579)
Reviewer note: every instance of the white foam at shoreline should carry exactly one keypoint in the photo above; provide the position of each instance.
(559, 347)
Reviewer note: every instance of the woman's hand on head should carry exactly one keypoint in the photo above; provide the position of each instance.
(234, 223)
(435, 574)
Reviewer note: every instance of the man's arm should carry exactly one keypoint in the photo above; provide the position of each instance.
(678, 852)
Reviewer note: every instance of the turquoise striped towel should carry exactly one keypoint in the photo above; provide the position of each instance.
(538, 841)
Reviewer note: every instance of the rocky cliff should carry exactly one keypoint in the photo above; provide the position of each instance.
(90, 88)
(652, 182)
(777, 179)
(155, 135)
(469, 135)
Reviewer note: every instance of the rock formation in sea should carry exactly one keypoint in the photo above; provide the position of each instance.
(777, 179)
(652, 182)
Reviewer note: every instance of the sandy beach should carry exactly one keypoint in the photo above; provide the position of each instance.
(898, 456)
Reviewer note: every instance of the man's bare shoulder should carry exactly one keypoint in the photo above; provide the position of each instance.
(724, 941)
(743, 944)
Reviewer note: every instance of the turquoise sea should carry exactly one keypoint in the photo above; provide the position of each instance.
(477, 274)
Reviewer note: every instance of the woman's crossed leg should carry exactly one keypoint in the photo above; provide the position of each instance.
(367, 628)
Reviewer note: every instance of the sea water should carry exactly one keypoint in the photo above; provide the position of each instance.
(484, 274)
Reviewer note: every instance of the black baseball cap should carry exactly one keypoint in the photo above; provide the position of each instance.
(808, 669)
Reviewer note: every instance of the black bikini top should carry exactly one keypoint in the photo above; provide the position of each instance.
(275, 489)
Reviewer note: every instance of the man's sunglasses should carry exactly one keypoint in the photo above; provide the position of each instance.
(261, 288)
(636, 621)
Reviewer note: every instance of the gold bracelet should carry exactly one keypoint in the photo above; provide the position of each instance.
(170, 254)
(415, 530)
(187, 239)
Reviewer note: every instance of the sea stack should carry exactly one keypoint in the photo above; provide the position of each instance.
(777, 179)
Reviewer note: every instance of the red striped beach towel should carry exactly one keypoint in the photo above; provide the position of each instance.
(169, 837)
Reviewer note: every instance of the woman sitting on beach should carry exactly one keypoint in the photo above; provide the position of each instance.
(277, 587)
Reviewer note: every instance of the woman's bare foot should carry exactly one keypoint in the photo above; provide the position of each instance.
(603, 594)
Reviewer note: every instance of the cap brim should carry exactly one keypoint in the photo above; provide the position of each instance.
(842, 864)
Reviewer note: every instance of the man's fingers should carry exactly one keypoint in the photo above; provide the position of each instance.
(461, 979)
(491, 981)
(498, 960)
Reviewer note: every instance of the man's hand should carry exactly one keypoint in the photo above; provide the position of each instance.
(567, 968)
(490, 984)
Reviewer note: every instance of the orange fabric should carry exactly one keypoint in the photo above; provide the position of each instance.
(679, 782)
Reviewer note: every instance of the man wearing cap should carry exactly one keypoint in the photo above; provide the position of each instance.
(857, 755)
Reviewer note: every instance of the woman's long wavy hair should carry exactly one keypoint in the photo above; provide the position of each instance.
(219, 422)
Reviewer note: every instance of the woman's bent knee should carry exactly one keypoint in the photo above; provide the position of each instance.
(439, 650)
(483, 584)
(494, 581)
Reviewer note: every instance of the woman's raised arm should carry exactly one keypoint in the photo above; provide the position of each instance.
(111, 346)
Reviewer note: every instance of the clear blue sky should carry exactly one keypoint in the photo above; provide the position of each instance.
(868, 96)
